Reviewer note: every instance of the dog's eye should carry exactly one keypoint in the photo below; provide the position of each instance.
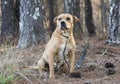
(59, 19)
(67, 18)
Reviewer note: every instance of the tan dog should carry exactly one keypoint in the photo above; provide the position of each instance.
(55, 46)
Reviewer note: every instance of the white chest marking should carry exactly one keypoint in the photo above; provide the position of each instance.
(62, 47)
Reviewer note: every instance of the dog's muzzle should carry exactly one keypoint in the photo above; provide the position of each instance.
(63, 25)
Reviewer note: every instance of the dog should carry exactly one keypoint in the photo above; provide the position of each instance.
(55, 46)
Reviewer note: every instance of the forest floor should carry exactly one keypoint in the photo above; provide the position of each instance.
(101, 65)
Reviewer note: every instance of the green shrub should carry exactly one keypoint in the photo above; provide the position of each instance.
(6, 80)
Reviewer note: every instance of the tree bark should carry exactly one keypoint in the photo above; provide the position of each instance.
(50, 2)
(89, 18)
(50, 16)
(31, 23)
(52, 9)
(103, 18)
(73, 7)
(57, 9)
(8, 18)
(114, 22)
(17, 16)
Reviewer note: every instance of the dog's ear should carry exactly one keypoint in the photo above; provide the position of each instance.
(76, 19)
(55, 20)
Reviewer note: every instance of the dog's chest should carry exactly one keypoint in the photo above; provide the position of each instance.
(64, 50)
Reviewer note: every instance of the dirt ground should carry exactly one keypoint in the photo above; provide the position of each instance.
(93, 70)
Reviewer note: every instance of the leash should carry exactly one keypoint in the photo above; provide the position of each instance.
(64, 51)
(81, 59)
(83, 55)
(84, 52)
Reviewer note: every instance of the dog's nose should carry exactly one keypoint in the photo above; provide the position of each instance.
(63, 25)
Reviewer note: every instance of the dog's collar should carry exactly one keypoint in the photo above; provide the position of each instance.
(64, 36)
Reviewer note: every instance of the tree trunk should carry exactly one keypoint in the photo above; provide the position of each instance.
(73, 7)
(8, 18)
(17, 14)
(50, 2)
(50, 16)
(114, 22)
(89, 18)
(57, 8)
(31, 23)
(103, 18)
(17, 9)
(103, 28)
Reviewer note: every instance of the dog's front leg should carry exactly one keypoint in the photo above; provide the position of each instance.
(51, 61)
(72, 61)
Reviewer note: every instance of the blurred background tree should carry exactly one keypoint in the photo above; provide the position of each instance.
(114, 22)
(89, 18)
(31, 23)
(96, 19)
(8, 18)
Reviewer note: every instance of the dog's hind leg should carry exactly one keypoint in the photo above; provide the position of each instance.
(42, 68)
(41, 64)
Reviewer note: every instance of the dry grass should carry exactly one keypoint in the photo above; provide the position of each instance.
(12, 62)
(8, 64)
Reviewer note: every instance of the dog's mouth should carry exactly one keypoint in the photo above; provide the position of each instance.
(64, 28)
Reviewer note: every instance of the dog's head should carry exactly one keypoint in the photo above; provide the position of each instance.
(65, 21)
